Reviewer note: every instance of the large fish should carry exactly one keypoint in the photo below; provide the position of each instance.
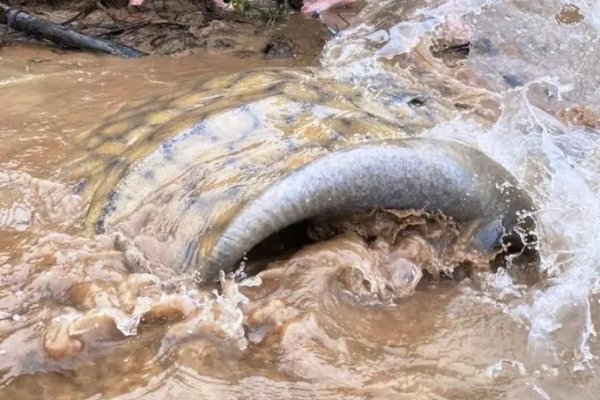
(198, 178)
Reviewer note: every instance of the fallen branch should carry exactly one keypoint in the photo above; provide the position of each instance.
(123, 29)
(18, 19)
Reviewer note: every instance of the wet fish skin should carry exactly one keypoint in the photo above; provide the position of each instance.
(412, 173)
(206, 173)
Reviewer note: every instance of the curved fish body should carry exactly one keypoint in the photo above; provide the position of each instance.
(197, 179)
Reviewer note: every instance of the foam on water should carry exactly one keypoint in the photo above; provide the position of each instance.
(540, 69)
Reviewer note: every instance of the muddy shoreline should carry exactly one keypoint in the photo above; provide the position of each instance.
(187, 27)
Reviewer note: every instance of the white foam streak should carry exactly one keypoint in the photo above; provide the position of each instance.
(539, 69)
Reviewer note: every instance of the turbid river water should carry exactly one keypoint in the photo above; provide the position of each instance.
(91, 316)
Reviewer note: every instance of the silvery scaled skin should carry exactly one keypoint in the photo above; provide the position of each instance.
(403, 174)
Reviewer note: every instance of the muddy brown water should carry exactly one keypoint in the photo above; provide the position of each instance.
(52, 275)
(333, 321)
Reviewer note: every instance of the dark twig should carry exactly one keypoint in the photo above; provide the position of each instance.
(103, 8)
(61, 35)
(87, 9)
(123, 29)
(67, 22)
(343, 19)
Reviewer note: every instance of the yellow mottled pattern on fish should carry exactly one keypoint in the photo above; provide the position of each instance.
(184, 164)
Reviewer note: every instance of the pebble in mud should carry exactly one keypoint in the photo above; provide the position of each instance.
(569, 14)
(280, 47)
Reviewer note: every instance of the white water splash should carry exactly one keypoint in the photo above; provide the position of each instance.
(540, 71)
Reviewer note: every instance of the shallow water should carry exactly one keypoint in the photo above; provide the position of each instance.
(81, 317)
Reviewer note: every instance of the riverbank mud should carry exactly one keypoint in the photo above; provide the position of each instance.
(185, 27)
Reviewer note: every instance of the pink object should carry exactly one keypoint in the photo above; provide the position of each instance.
(324, 5)
(135, 2)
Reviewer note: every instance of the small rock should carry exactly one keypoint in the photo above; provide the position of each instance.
(569, 14)
(280, 47)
